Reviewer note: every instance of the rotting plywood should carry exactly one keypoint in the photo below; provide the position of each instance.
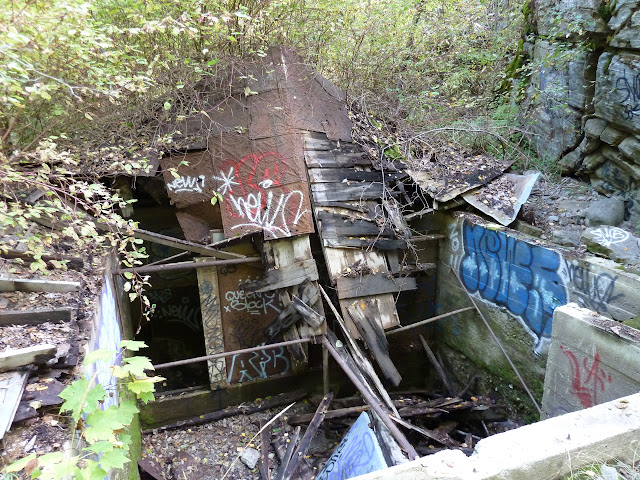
(244, 317)
(198, 220)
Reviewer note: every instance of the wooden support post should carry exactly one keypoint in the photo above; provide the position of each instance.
(212, 323)
(265, 440)
(35, 316)
(293, 440)
(325, 371)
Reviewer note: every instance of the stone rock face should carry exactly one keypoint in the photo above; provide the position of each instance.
(558, 17)
(618, 90)
(613, 242)
(586, 104)
(567, 237)
(607, 211)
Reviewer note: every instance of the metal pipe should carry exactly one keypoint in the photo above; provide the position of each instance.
(187, 265)
(187, 361)
(384, 416)
(428, 320)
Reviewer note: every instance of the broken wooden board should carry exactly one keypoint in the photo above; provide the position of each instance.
(332, 192)
(12, 359)
(373, 334)
(343, 175)
(362, 286)
(35, 316)
(16, 284)
(11, 387)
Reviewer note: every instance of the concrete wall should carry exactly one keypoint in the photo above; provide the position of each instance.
(518, 283)
(543, 450)
(584, 94)
(592, 360)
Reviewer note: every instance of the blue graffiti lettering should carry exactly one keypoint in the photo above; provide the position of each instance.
(508, 272)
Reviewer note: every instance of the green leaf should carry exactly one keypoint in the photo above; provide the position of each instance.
(103, 424)
(137, 365)
(116, 458)
(79, 399)
(99, 447)
(102, 354)
(146, 397)
(143, 385)
(167, 106)
(91, 471)
(128, 275)
(132, 345)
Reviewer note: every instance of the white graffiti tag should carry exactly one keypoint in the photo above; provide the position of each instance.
(187, 184)
(250, 302)
(256, 366)
(228, 181)
(607, 236)
(273, 216)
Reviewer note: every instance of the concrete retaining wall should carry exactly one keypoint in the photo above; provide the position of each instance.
(592, 360)
(547, 449)
(518, 283)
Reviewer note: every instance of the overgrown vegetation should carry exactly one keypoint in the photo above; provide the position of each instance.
(102, 438)
(84, 86)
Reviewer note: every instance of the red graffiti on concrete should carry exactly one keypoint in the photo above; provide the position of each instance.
(586, 380)
(256, 196)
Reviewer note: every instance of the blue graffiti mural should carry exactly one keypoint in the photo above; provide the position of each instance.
(517, 275)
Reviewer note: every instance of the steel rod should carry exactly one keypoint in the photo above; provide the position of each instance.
(384, 416)
(188, 265)
(495, 337)
(428, 320)
(188, 361)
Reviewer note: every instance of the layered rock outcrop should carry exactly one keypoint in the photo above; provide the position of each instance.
(585, 91)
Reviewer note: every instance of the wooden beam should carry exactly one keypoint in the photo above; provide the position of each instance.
(183, 244)
(287, 276)
(373, 335)
(441, 373)
(369, 398)
(14, 284)
(301, 451)
(12, 359)
(365, 285)
(35, 316)
(271, 402)
(312, 317)
(74, 262)
(189, 265)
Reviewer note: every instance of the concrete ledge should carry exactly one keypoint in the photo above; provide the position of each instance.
(542, 450)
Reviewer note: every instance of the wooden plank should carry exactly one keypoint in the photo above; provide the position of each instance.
(332, 192)
(73, 262)
(183, 244)
(12, 385)
(212, 324)
(244, 409)
(341, 227)
(374, 336)
(305, 442)
(441, 373)
(15, 284)
(287, 276)
(309, 314)
(365, 285)
(265, 440)
(342, 175)
(12, 359)
(382, 244)
(380, 308)
(35, 316)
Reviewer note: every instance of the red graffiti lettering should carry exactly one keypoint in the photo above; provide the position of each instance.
(586, 380)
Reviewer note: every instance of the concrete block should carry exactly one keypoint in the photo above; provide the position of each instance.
(547, 449)
(592, 360)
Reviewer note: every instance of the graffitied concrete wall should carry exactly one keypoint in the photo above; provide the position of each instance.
(106, 333)
(518, 284)
(592, 360)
